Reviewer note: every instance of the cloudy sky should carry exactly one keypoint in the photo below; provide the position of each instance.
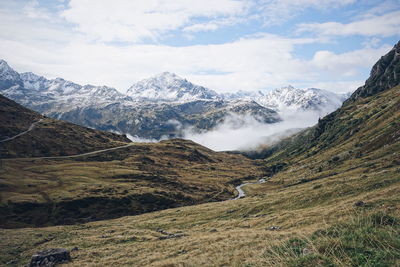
(226, 45)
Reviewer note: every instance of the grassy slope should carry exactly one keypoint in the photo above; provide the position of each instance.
(50, 137)
(132, 180)
(302, 200)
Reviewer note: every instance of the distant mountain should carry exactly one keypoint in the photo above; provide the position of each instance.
(9, 77)
(301, 99)
(290, 99)
(169, 87)
(160, 107)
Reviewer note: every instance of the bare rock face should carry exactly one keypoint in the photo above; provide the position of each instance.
(50, 257)
(385, 74)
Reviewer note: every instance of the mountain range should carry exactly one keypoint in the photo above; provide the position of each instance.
(163, 106)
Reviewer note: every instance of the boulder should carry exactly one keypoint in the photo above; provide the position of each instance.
(50, 257)
(274, 228)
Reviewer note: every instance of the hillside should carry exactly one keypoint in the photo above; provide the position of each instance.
(332, 199)
(48, 137)
(132, 180)
(54, 172)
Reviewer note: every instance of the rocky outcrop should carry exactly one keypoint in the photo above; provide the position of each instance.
(385, 74)
(50, 257)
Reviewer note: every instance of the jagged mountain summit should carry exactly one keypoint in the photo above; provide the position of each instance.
(169, 87)
(385, 74)
(8, 76)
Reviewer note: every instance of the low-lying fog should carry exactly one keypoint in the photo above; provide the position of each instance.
(252, 133)
(244, 132)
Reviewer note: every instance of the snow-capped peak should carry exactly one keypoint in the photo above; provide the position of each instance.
(306, 99)
(168, 86)
(34, 89)
(8, 76)
(4, 65)
(6, 72)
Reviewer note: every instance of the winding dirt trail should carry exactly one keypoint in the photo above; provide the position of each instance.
(31, 127)
(74, 156)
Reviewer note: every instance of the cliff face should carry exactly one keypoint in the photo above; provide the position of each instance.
(385, 74)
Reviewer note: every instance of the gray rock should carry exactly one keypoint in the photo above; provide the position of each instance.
(359, 204)
(50, 257)
(274, 228)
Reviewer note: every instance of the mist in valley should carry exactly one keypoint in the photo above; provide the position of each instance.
(244, 132)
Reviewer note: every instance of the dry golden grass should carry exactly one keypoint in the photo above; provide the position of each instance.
(313, 193)
(229, 233)
(170, 173)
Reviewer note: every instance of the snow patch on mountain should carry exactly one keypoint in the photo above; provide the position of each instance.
(300, 99)
(244, 95)
(169, 87)
(69, 93)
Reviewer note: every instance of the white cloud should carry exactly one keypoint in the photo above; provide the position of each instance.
(248, 63)
(252, 63)
(349, 63)
(340, 87)
(384, 25)
(133, 20)
(212, 25)
(251, 133)
(261, 61)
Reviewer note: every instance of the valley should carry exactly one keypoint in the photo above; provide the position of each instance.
(329, 194)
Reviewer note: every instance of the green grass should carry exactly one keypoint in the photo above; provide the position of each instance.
(371, 240)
